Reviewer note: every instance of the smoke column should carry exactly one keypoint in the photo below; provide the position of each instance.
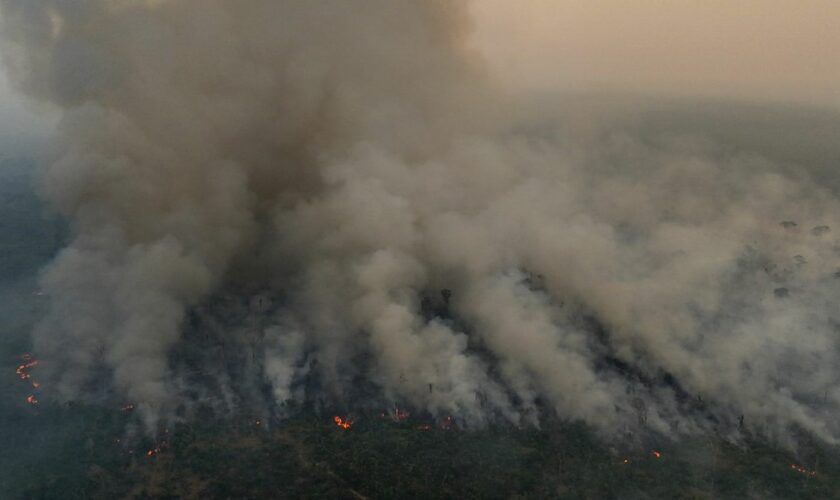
(299, 181)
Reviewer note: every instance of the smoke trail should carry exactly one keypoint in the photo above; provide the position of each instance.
(339, 164)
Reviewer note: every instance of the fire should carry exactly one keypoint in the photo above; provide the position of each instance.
(446, 423)
(625, 461)
(424, 427)
(22, 370)
(400, 415)
(341, 422)
(156, 450)
(657, 454)
(803, 470)
(127, 407)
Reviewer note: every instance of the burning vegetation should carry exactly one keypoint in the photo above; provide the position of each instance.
(803, 470)
(400, 415)
(156, 450)
(23, 373)
(23, 368)
(344, 423)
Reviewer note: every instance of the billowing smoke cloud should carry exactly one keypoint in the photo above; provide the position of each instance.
(333, 195)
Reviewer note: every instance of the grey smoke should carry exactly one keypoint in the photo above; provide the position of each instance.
(348, 160)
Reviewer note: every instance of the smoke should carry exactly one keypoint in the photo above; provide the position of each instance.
(331, 200)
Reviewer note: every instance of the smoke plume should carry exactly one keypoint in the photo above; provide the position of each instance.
(278, 202)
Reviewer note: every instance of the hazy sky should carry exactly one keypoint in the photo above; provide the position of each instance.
(759, 49)
(780, 49)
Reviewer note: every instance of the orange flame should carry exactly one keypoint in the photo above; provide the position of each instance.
(657, 454)
(28, 362)
(156, 450)
(803, 470)
(31, 399)
(22, 370)
(343, 423)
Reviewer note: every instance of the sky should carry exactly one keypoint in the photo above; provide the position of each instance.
(778, 50)
(783, 50)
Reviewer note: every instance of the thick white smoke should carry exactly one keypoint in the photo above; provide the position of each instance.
(339, 164)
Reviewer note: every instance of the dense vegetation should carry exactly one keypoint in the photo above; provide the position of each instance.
(85, 452)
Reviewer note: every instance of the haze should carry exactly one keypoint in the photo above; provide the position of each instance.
(780, 50)
(757, 49)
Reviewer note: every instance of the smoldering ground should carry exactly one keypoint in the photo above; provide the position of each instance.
(267, 200)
